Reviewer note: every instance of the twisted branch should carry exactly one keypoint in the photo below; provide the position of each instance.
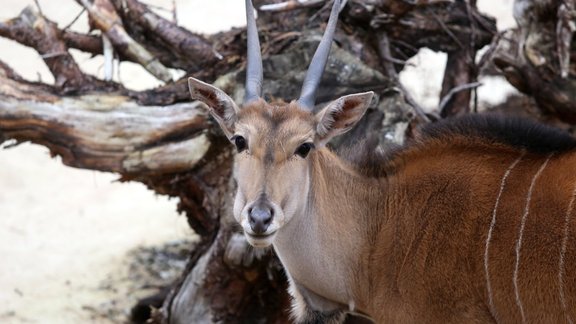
(105, 18)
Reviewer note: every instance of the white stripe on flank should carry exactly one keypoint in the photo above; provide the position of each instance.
(520, 234)
(491, 229)
(562, 253)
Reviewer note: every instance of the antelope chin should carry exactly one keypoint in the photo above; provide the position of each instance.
(260, 241)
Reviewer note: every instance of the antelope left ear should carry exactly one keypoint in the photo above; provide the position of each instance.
(221, 106)
(341, 115)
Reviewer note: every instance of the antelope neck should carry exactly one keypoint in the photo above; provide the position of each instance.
(321, 246)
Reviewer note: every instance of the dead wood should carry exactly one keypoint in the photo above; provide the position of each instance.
(445, 26)
(110, 133)
(104, 17)
(161, 33)
(31, 29)
(535, 58)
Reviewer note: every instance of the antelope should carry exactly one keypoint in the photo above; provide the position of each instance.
(471, 222)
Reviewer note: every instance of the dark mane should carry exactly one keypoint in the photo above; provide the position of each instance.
(516, 132)
(371, 160)
(368, 156)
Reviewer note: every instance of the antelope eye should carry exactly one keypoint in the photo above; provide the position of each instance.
(240, 143)
(304, 149)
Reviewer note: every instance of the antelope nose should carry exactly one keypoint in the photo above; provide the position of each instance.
(260, 218)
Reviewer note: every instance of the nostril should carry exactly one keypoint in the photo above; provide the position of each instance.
(269, 217)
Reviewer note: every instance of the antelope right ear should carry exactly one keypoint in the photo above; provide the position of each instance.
(341, 115)
(220, 105)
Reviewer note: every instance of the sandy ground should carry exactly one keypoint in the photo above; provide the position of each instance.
(63, 231)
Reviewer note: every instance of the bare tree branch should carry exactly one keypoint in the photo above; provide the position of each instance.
(105, 18)
(31, 29)
(122, 136)
(186, 43)
(292, 5)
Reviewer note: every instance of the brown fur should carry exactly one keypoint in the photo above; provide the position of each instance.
(422, 259)
(404, 238)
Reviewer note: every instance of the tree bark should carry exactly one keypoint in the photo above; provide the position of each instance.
(536, 57)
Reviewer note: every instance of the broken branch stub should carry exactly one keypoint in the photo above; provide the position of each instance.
(104, 16)
(32, 29)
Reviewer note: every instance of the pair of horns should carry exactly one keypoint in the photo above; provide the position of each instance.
(254, 74)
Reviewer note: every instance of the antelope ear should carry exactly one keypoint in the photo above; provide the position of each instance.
(220, 105)
(341, 115)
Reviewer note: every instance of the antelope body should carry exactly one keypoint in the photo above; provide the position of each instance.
(473, 222)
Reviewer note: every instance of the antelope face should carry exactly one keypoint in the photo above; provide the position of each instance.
(275, 149)
(271, 168)
(275, 144)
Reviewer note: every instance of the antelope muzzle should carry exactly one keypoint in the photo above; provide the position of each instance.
(260, 217)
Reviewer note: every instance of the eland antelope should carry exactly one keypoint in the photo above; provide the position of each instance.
(472, 222)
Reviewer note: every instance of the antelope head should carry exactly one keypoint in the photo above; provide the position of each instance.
(276, 144)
